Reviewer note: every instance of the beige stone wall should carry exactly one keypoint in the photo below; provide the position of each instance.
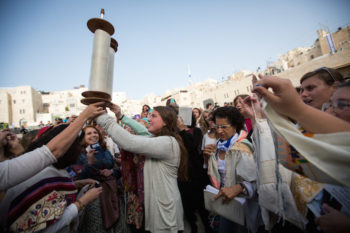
(59, 101)
(315, 51)
(339, 37)
(5, 107)
(23, 105)
(339, 59)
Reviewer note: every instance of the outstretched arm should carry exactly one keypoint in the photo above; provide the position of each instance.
(60, 144)
(285, 100)
(155, 147)
(34, 161)
(138, 128)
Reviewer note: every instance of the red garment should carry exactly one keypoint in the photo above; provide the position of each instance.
(248, 124)
(42, 130)
(132, 173)
(132, 177)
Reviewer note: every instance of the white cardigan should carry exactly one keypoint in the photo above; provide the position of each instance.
(163, 207)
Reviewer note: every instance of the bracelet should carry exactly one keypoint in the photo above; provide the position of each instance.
(119, 119)
(81, 205)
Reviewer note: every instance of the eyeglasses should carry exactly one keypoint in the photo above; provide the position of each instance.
(340, 104)
(222, 126)
(327, 70)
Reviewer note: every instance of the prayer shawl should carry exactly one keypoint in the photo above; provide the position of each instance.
(240, 167)
(328, 154)
(39, 201)
(273, 180)
(303, 188)
(226, 145)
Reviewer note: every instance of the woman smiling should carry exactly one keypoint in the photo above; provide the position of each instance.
(166, 159)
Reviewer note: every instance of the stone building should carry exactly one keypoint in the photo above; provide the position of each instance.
(64, 103)
(341, 39)
(303, 55)
(19, 105)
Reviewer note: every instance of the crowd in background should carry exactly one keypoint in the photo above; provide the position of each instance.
(275, 158)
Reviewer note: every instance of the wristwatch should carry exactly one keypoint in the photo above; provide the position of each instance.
(244, 189)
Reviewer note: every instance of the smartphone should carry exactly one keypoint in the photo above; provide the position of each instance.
(97, 147)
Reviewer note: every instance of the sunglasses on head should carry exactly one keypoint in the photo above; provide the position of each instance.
(327, 70)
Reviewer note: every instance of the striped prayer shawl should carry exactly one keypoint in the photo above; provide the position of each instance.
(41, 204)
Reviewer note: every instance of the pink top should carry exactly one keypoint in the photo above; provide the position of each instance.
(248, 124)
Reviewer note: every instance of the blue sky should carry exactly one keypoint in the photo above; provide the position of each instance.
(46, 44)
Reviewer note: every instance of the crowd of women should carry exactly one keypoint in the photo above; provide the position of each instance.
(276, 152)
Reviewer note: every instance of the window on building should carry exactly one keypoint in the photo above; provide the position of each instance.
(72, 105)
(24, 111)
(14, 101)
(23, 100)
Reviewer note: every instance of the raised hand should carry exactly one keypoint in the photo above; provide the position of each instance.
(284, 98)
(115, 109)
(14, 145)
(4, 136)
(251, 104)
(94, 110)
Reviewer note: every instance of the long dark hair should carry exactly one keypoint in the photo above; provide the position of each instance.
(169, 117)
(72, 154)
